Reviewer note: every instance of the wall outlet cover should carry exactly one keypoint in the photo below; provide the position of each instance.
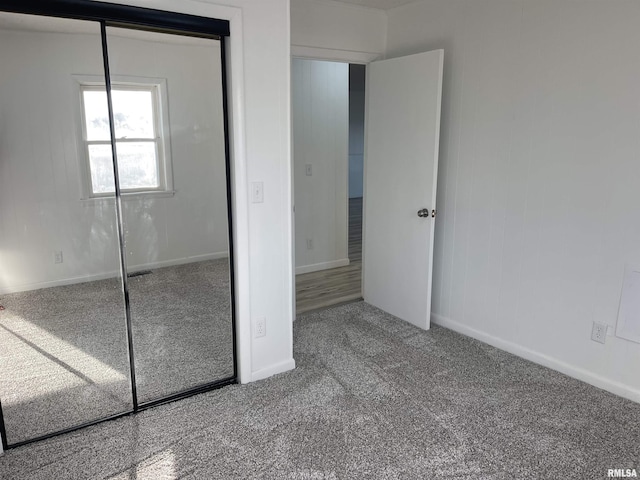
(260, 327)
(257, 192)
(599, 332)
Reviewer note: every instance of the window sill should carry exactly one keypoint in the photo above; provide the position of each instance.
(129, 197)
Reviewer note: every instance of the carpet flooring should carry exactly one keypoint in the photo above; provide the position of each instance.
(371, 397)
(64, 356)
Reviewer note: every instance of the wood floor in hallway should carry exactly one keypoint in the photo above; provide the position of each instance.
(337, 285)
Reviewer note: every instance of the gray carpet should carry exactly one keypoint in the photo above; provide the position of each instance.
(63, 350)
(372, 397)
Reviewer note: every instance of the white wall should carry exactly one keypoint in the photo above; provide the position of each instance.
(320, 101)
(41, 205)
(538, 187)
(329, 30)
(266, 121)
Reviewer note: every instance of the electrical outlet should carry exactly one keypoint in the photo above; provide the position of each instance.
(257, 192)
(57, 257)
(308, 169)
(599, 333)
(260, 327)
(309, 243)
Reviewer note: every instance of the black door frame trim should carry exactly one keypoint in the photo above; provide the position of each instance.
(111, 14)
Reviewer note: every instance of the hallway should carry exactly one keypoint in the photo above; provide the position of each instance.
(338, 285)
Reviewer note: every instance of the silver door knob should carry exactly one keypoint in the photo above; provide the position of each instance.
(423, 213)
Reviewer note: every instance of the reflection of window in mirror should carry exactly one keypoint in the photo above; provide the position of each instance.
(141, 132)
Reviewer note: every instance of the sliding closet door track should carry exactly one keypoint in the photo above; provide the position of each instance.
(121, 15)
(144, 406)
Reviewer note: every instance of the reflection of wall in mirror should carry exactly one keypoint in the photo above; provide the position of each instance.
(41, 211)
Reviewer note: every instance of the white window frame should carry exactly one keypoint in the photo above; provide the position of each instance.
(158, 89)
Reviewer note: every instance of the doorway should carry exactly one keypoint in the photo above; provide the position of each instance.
(402, 143)
(116, 288)
(328, 137)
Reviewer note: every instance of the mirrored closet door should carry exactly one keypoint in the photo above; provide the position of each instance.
(63, 336)
(169, 128)
(115, 254)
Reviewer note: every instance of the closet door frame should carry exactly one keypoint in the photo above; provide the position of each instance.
(139, 18)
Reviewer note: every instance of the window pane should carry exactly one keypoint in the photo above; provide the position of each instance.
(96, 115)
(133, 113)
(101, 168)
(137, 165)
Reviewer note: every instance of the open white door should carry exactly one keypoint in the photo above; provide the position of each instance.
(401, 164)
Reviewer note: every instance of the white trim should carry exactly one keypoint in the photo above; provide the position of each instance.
(540, 358)
(128, 196)
(273, 370)
(410, 4)
(289, 197)
(178, 261)
(113, 273)
(353, 6)
(239, 191)
(331, 54)
(316, 267)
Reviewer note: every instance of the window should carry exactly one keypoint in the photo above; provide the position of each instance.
(143, 164)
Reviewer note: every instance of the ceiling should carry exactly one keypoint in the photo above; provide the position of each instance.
(380, 4)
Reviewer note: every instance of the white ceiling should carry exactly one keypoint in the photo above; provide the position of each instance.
(379, 4)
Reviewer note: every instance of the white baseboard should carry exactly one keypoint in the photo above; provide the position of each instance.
(316, 267)
(57, 283)
(540, 358)
(105, 275)
(178, 261)
(273, 370)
